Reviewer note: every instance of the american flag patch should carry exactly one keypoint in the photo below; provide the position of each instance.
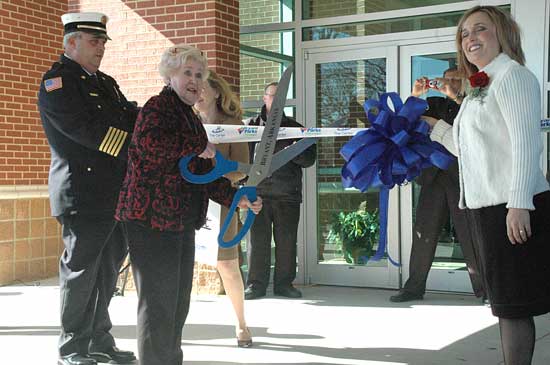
(53, 84)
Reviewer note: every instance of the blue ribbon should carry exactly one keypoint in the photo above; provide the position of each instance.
(392, 152)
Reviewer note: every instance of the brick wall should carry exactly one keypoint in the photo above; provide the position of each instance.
(255, 72)
(30, 40)
(329, 8)
(142, 29)
(30, 239)
(254, 12)
(31, 36)
(314, 9)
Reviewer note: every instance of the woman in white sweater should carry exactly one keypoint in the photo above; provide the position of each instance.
(496, 137)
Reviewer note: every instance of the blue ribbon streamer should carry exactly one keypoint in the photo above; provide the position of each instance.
(392, 152)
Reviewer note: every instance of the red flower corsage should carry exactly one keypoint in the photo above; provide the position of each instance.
(478, 85)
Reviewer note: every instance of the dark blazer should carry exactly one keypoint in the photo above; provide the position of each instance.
(446, 109)
(154, 194)
(87, 121)
(286, 183)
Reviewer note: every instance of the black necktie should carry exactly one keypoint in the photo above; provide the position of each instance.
(95, 81)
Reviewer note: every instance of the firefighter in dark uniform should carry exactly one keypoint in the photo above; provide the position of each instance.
(88, 123)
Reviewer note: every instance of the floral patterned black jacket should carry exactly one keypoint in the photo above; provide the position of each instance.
(153, 193)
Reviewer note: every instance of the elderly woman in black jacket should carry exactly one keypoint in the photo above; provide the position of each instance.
(161, 211)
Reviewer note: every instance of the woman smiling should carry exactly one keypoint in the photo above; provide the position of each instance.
(161, 211)
(496, 136)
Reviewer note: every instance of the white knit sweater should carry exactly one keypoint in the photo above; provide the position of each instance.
(498, 141)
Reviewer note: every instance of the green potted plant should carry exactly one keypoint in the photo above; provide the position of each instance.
(356, 233)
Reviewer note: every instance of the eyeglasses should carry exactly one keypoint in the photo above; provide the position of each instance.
(266, 94)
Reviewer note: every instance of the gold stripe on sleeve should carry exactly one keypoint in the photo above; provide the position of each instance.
(113, 141)
(106, 140)
(121, 141)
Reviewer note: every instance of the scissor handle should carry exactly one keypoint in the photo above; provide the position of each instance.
(222, 167)
(250, 192)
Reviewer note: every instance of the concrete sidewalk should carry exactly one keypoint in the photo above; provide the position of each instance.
(330, 325)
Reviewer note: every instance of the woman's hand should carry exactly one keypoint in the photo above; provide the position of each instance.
(430, 120)
(420, 87)
(209, 151)
(255, 207)
(450, 87)
(518, 225)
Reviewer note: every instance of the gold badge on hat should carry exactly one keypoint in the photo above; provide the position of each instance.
(104, 20)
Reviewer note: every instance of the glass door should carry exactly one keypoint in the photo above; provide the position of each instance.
(448, 271)
(337, 82)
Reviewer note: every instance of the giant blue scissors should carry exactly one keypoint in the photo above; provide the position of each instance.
(265, 162)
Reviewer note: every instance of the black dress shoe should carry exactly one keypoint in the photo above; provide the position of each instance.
(253, 293)
(113, 355)
(288, 291)
(405, 296)
(76, 359)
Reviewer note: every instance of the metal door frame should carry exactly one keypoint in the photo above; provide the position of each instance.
(440, 280)
(348, 275)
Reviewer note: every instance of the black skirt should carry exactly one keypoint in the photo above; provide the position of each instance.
(517, 276)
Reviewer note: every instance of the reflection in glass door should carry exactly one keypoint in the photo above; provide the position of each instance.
(448, 271)
(347, 218)
(344, 222)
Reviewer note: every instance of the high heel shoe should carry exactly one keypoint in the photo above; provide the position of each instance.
(244, 339)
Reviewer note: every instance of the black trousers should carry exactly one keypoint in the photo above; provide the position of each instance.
(94, 250)
(278, 220)
(162, 264)
(437, 200)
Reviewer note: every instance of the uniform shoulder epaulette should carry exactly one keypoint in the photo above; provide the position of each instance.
(53, 79)
(104, 76)
(56, 70)
(57, 66)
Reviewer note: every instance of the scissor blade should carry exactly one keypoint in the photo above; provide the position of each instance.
(282, 157)
(262, 160)
(244, 168)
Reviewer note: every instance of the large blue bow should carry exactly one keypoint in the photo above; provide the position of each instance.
(393, 151)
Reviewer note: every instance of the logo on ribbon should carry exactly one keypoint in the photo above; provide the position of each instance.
(311, 131)
(248, 131)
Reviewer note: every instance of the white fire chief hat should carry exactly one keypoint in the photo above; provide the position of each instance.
(89, 22)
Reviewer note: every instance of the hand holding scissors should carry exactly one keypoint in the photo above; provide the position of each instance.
(265, 163)
(254, 206)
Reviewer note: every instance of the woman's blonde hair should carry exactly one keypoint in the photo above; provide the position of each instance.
(176, 56)
(228, 102)
(507, 32)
